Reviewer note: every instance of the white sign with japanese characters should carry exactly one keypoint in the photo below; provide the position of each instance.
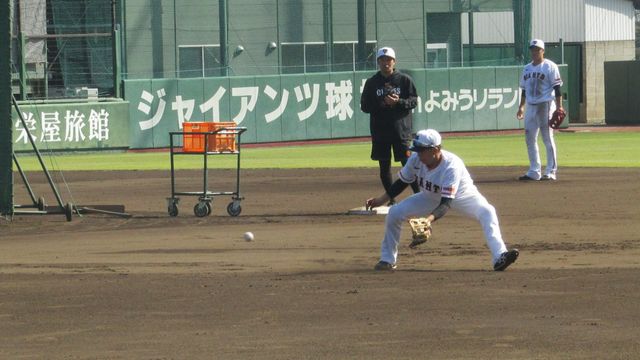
(339, 102)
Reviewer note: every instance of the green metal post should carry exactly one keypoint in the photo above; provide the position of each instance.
(117, 71)
(471, 39)
(224, 37)
(362, 35)
(123, 39)
(278, 36)
(115, 44)
(23, 67)
(46, 74)
(176, 49)
(6, 134)
(328, 32)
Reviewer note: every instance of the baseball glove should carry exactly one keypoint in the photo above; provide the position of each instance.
(421, 231)
(557, 118)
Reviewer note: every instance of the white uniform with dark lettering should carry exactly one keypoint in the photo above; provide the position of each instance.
(449, 179)
(538, 82)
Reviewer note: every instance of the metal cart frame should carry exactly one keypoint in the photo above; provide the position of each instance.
(205, 197)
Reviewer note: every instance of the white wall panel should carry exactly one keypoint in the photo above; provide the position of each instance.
(609, 20)
(571, 20)
(493, 27)
(555, 19)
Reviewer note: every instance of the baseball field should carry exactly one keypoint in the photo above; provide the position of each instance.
(152, 286)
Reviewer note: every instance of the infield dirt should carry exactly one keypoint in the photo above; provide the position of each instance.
(156, 287)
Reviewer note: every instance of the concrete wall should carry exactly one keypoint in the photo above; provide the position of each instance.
(596, 53)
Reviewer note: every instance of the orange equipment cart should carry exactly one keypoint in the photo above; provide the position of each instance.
(206, 139)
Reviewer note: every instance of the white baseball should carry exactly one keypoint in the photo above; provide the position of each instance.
(248, 236)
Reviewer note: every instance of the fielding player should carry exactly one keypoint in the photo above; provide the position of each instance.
(445, 183)
(389, 97)
(540, 83)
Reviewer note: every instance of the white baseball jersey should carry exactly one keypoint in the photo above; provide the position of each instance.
(449, 179)
(538, 81)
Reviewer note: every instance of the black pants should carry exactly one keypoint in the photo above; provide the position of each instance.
(381, 151)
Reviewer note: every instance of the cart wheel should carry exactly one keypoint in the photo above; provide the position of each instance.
(68, 211)
(173, 210)
(209, 208)
(200, 209)
(234, 208)
(41, 204)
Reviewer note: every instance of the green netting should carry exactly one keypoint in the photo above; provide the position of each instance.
(522, 29)
(85, 60)
(452, 33)
(303, 36)
(444, 40)
(181, 38)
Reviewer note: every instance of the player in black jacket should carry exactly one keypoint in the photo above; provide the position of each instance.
(389, 97)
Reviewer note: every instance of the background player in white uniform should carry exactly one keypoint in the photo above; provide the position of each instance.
(540, 83)
(445, 183)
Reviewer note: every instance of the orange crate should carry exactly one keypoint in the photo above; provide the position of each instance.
(219, 142)
(224, 140)
(191, 142)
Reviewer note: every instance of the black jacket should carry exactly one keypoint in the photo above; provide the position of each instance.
(389, 123)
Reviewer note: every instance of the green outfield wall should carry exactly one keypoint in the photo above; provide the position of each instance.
(274, 108)
(72, 126)
(320, 106)
(621, 79)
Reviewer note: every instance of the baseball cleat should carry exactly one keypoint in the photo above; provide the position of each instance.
(548, 177)
(384, 266)
(506, 258)
(526, 178)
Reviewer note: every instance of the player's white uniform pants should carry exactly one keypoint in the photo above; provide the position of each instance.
(536, 119)
(416, 205)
